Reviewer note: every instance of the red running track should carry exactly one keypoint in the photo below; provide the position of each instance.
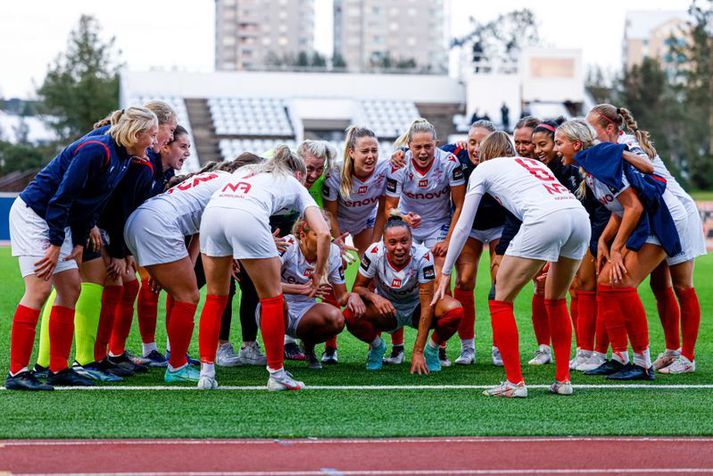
(391, 456)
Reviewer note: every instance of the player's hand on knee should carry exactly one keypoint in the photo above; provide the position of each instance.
(44, 268)
(355, 305)
(440, 291)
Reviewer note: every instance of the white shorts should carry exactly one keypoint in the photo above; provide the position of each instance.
(152, 239)
(30, 238)
(690, 232)
(235, 232)
(430, 237)
(487, 236)
(563, 233)
(355, 227)
(295, 312)
(404, 314)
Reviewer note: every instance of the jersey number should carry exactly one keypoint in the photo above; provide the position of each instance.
(193, 182)
(541, 173)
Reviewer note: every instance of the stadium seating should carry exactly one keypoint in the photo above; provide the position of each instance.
(388, 119)
(262, 117)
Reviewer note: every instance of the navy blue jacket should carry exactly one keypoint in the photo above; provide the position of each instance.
(143, 180)
(74, 186)
(490, 213)
(605, 163)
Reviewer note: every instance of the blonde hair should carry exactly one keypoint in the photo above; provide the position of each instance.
(623, 118)
(496, 144)
(353, 133)
(127, 124)
(320, 149)
(284, 163)
(418, 125)
(163, 111)
(578, 130)
(301, 225)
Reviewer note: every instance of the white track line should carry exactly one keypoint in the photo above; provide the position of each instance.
(632, 386)
(355, 441)
(420, 472)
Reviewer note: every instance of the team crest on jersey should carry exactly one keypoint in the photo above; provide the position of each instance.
(391, 185)
(396, 283)
(423, 183)
(429, 272)
(362, 190)
(307, 272)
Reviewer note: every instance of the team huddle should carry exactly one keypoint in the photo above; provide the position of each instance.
(584, 207)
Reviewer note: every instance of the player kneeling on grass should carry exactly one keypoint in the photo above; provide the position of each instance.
(403, 275)
(306, 319)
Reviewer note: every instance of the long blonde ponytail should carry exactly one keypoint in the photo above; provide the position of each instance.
(353, 133)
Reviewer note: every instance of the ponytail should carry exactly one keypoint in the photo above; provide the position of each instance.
(353, 133)
(418, 125)
(643, 137)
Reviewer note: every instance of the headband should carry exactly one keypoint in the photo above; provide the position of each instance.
(546, 126)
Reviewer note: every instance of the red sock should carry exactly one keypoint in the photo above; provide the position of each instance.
(397, 337)
(123, 317)
(180, 332)
(22, 338)
(561, 332)
(602, 337)
(466, 329)
(360, 328)
(539, 320)
(61, 334)
(586, 319)
(272, 327)
(690, 321)
(447, 325)
(608, 311)
(146, 310)
(637, 326)
(331, 299)
(506, 337)
(110, 302)
(169, 307)
(209, 327)
(670, 315)
(574, 314)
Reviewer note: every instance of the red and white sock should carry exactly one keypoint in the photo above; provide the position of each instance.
(506, 336)
(61, 334)
(690, 321)
(272, 327)
(209, 327)
(22, 337)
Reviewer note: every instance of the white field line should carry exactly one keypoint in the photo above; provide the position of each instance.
(632, 386)
(355, 441)
(418, 472)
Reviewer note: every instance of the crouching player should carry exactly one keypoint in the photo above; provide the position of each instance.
(306, 319)
(403, 275)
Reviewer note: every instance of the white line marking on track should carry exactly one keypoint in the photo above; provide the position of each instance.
(421, 472)
(357, 441)
(632, 386)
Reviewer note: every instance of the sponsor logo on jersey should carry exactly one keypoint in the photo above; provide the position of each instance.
(391, 185)
(361, 203)
(423, 183)
(457, 173)
(341, 272)
(325, 190)
(362, 190)
(243, 187)
(429, 272)
(428, 195)
(396, 283)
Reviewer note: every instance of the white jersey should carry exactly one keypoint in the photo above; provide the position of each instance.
(365, 194)
(526, 187)
(262, 195)
(184, 203)
(400, 286)
(426, 192)
(660, 169)
(297, 270)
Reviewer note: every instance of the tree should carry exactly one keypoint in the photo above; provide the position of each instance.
(318, 60)
(302, 59)
(82, 85)
(598, 85)
(338, 61)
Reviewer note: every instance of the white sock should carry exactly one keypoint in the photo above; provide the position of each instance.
(599, 354)
(643, 359)
(467, 344)
(545, 348)
(273, 371)
(174, 369)
(168, 345)
(23, 369)
(148, 348)
(431, 343)
(290, 340)
(376, 342)
(622, 358)
(207, 370)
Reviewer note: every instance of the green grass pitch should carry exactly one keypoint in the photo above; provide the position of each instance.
(358, 413)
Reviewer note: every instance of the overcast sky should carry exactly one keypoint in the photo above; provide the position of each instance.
(179, 33)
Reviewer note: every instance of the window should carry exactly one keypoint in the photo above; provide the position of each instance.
(282, 41)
